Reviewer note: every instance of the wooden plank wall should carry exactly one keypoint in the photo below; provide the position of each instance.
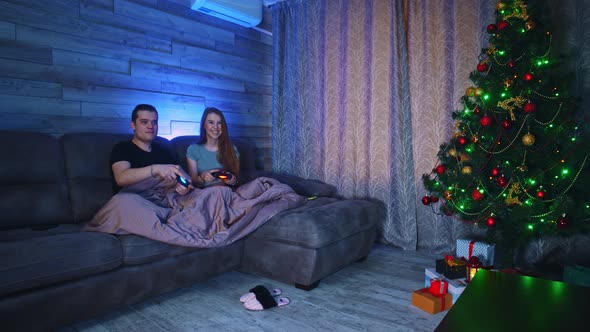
(82, 65)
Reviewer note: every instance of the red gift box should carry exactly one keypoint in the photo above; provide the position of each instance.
(438, 286)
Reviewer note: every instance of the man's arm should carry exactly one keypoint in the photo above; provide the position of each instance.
(125, 175)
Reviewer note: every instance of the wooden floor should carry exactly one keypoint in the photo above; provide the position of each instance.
(373, 295)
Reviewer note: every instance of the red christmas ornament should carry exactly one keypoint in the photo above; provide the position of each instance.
(495, 171)
(476, 195)
(541, 194)
(426, 200)
(511, 64)
(491, 28)
(491, 221)
(528, 77)
(433, 199)
(485, 121)
(462, 140)
(563, 222)
(482, 67)
(529, 107)
(476, 110)
(506, 124)
(502, 25)
(502, 181)
(440, 169)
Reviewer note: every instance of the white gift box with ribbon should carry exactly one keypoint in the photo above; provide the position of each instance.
(483, 251)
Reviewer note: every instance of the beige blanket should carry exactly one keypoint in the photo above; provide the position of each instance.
(210, 217)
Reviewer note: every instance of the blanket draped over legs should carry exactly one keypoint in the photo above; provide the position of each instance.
(209, 217)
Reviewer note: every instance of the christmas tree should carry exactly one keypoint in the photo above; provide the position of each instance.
(516, 161)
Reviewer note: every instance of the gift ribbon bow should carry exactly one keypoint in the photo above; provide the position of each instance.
(470, 252)
(474, 262)
(471, 244)
(441, 287)
(451, 261)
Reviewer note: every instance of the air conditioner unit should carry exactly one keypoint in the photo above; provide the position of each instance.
(247, 13)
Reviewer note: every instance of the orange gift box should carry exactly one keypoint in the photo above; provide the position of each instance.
(423, 299)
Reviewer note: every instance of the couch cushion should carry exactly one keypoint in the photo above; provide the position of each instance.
(320, 222)
(32, 182)
(140, 250)
(244, 146)
(38, 231)
(88, 170)
(303, 187)
(40, 261)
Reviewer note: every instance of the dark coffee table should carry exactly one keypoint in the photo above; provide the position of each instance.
(496, 301)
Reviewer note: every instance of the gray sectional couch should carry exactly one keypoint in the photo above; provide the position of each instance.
(53, 274)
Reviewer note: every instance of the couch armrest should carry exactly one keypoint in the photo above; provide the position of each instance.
(303, 187)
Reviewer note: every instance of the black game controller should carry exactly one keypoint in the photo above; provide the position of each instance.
(223, 175)
(182, 180)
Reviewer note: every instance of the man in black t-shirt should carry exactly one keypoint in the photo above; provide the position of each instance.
(140, 158)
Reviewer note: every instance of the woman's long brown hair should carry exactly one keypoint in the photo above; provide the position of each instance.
(225, 153)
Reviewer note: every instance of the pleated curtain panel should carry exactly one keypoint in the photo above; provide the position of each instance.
(363, 96)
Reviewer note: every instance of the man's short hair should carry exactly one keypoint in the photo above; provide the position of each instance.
(142, 107)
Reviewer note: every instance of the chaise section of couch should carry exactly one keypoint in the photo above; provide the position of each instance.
(53, 274)
(301, 246)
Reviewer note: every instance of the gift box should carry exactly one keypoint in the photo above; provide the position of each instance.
(423, 299)
(438, 286)
(455, 286)
(451, 272)
(578, 275)
(483, 251)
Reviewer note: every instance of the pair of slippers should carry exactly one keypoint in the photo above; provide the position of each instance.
(260, 298)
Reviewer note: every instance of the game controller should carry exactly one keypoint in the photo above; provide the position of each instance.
(182, 180)
(223, 175)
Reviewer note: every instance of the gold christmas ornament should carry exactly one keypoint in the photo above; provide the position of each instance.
(518, 12)
(452, 152)
(478, 92)
(530, 25)
(457, 129)
(470, 92)
(514, 190)
(500, 5)
(522, 168)
(508, 83)
(475, 139)
(463, 156)
(466, 170)
(491, 49)
(528, 139)
(510, 103)
(447, 195)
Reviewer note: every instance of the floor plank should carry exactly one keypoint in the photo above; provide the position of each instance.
(374, 295)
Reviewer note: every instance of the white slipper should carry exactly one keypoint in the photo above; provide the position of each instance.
(254, 304)
(252, 294)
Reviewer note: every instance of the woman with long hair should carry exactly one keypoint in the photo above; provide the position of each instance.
(214, 160)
